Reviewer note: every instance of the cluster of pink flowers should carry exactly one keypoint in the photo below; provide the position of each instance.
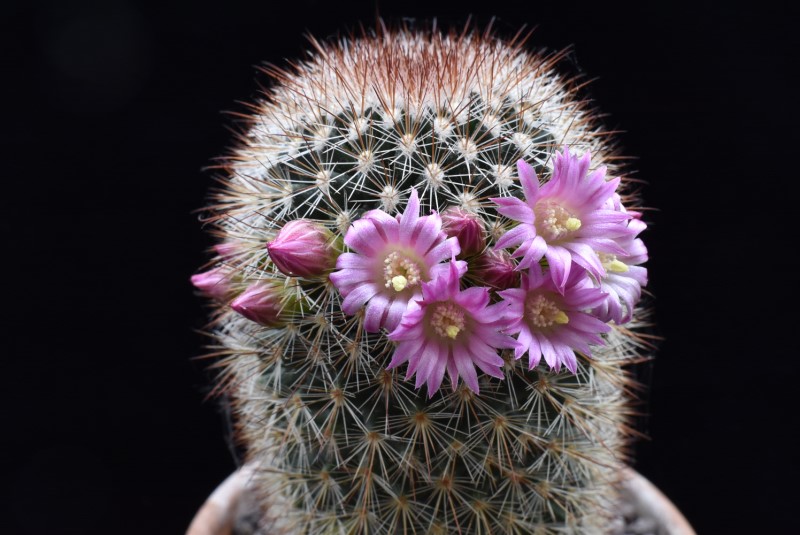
(574, 268)
(548, 288)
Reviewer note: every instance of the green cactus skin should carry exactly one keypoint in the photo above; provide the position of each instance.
(340, 444)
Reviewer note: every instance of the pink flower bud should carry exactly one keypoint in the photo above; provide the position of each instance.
(261, 303)
(303, 249)
(495, 268)
(226, 250)
(215, 283)
(466, 228)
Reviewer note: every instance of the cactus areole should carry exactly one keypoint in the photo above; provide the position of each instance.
(405, 216)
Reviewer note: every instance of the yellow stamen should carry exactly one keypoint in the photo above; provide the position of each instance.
(616, 266)
(447, 320)
(400, 271)
(553, 221)
(452, 331)
(543, 312)
(573, 223)
(399, 283)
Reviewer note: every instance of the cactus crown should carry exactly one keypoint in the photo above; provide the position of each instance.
(341, 443)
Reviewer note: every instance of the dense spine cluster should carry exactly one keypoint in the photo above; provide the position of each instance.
(342, 442)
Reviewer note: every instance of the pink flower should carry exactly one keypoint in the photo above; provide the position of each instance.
(624, 277)
(392, 257)
(466, 228)
(303, 249)
(566, 220)
(552, 323)
(451, 329)
(496, 269)
(261, 303)
(215, 283)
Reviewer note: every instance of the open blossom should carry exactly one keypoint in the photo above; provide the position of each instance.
(624, 278)
(552, 323)
(302, 248)
(566, 220)
(451, 329)
(391, 258)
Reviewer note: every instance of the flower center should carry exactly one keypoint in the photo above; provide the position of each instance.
(611, 264)
(447, 320)
(400, 272)
(543, 312)
(553, 221)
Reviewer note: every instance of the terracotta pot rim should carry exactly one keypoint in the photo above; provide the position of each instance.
(217, 515)
(650, 498)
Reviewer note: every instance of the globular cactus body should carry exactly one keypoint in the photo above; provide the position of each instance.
(341, 443)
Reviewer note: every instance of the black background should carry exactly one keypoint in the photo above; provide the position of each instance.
(115, 108)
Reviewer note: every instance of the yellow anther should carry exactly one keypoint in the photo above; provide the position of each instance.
(452, 331)
(616, 266)
(561, 318)
(447, 319)
(399, 283)
(572, 223)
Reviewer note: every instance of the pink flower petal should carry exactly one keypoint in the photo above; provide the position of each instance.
(534, 351)
(443, 251)
(531, 253)
(408, 220)
(356, 299)
(476, 297)
(436, 375)
(364, 238)
(414, 359)
(528, 179)
(404, 352)
(374, 313)
(396, 310)
(452, 371)
(567, 357)
(353, 261)
(515, 236)
(524, 346)
(515, 209)
(560, 261)
(549, 353)
(429, 232)
(433, 353)
(586, 257)
(466, 369)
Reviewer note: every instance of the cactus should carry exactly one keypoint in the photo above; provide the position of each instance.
(365, 131)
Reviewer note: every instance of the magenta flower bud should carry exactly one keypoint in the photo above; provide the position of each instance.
(215, 283)
(496, 268)
(261, 303)
(466, 228)
(303, 249)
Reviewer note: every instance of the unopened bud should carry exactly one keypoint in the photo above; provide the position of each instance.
(215, 283)
(303, 249)
(495, 268)
(466, 227)
(261, 303)
(226, 250)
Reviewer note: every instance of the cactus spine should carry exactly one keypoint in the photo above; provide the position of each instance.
(341, 444)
